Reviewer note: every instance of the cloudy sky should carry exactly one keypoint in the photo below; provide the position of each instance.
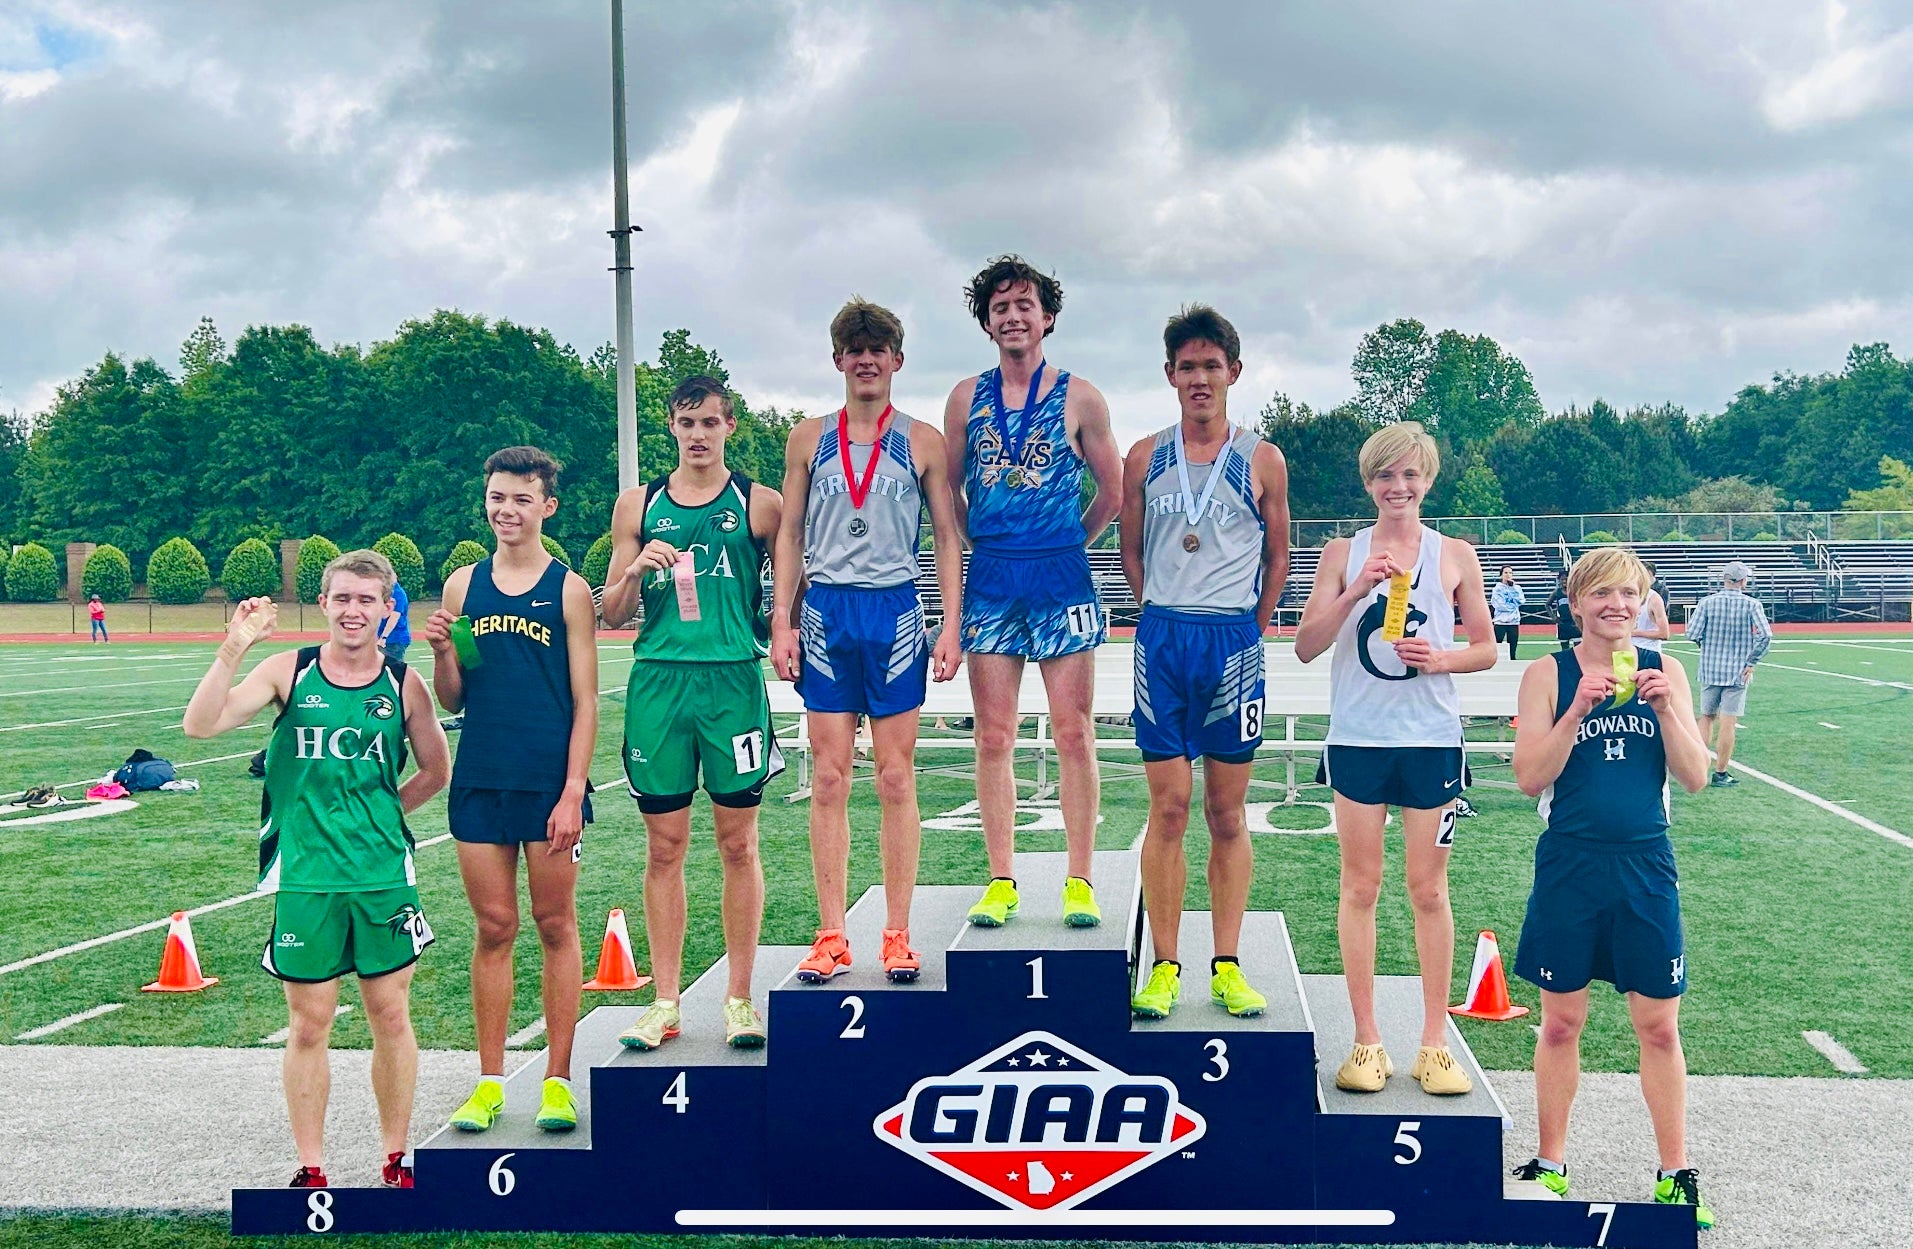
(1645, 201)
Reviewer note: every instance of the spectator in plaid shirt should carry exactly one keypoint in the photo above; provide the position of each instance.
(1732, 631)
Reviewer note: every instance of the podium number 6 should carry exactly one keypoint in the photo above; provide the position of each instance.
(1405, 1138)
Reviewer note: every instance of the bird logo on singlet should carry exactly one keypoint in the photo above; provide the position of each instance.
(380, 707)
(726, 521)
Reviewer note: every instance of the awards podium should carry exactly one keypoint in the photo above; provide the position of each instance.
(1007, 1094)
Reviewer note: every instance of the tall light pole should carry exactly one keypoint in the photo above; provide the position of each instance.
(621, 249)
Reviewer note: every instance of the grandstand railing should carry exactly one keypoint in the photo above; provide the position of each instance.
(1644, 527)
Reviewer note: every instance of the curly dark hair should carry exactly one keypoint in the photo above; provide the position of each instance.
(1008, 271)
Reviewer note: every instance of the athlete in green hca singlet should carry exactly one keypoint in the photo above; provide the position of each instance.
(691, 549)
(334, 849)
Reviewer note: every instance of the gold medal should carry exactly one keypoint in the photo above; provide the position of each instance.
(1191, 543)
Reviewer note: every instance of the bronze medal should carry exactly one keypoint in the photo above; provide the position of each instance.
(1191, 543)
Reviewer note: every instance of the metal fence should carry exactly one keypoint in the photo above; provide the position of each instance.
(1635, 527)
(143, 616)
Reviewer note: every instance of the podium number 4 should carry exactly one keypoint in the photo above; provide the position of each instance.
(675, 1096)
(1405, 1139)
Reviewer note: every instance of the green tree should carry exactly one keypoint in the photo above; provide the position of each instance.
(1472, 388)
(597, 567)
(108, 573)
(177, 573)
(1478, 493)
(1893, 494)
(6, 557)
(1325, 482)
(32, 576)
(464, 554)
(250, 571)
(202, 351)
(556, 551)
(13, 454)
(119, 433)
(1391, 369)
(407, 562)
(309, 569)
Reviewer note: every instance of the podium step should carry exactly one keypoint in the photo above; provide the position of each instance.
(936, 916)
(702, 1006)
(1267, 960)
(1039, 919)
(1398, 1011)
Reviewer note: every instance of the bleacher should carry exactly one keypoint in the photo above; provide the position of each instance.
(1871, 579)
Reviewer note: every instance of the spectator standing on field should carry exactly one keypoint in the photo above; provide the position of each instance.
(1567, 631)
(96, 610)
(1731, 629)
(1506, 601)
(395, 631)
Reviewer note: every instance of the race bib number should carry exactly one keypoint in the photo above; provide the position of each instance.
(1251, 719)
(1083, 619)
(748, 751)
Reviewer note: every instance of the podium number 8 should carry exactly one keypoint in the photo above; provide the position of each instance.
(320, 1220)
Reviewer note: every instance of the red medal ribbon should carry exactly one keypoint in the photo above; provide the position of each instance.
(859, 490)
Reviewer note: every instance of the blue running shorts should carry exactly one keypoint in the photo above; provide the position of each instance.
(864, 650)
(1602, 913)
(1038, 604)
(1198, 686)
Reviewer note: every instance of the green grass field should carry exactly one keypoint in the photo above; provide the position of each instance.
(1791, 911)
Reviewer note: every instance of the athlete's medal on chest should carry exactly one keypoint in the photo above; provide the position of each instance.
(1015, 476)
(859, 490)
(684, 577)
(1195, 508)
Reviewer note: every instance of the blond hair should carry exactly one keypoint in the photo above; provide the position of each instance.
(1606, 569)
(360, 564)
(1392, 442)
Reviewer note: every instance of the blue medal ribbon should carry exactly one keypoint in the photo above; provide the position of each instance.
(1000, 417)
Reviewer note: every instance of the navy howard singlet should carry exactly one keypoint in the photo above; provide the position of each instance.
(1613, 790)
(518, 705)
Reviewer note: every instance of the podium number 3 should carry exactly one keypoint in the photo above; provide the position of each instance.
(1219, 1055)
(1405, 1139)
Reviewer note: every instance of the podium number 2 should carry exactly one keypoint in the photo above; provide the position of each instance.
(853, 1030)
(675, 1096)
(1405, 1138)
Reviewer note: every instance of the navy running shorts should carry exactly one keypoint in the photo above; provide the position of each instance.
(1603, 913)
(1421, 778)
(502, 816)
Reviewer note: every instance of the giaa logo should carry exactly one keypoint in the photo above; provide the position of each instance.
(1040, 1124)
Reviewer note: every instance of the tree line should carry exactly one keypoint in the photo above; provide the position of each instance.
(277, 436)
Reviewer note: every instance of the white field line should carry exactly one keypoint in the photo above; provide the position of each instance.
(1839, 1055)
(1820, 672)
(117, 715)
(88, 689)
(1825, 725)
(60, 1025)
(285, 1034)
(94, 780)
(1851, 817)
(13, 674)
(1866, 646)
(531, 1032)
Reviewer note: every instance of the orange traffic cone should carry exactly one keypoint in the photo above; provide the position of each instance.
(616, 968)
(1488, 985)
(179, 965)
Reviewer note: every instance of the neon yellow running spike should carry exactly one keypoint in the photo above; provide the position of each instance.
(1161, 994)
(482, 1108)
(1683, 1189)
(1079, 904)
(558, 1110)
(997, 906)
(743, 1026)
(1231, 990)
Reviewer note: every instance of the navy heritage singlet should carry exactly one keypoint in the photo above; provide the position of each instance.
(518, 705)
(1613, 790)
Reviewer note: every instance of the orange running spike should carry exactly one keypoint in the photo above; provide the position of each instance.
(616, 968)
(179, 964)
(1488, 985)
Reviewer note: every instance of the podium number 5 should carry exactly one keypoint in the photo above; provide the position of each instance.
(1405, 1139)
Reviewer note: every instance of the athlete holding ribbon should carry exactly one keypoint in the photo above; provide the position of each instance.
(1207, 563)
(855, 488)
(1018, 475)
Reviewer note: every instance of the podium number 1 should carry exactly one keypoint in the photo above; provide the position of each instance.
(1036, 979)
